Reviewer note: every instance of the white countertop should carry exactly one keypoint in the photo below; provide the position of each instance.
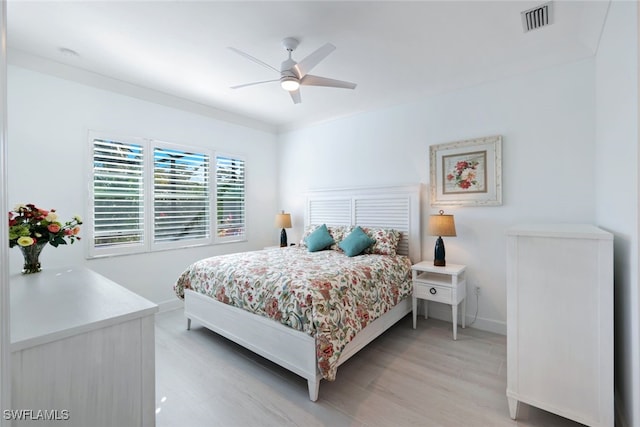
(569, 230)
(58, 303)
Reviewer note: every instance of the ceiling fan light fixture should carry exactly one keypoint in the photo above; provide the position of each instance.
(293, 74)
(290, 84)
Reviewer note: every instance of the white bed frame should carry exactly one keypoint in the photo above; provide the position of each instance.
(391, 207)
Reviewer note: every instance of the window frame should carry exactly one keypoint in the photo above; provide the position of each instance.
(148, 244)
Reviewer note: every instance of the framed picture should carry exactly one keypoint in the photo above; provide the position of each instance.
(467, 173)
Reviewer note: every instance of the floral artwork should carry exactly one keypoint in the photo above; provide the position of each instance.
(465, 173)
(30, 225)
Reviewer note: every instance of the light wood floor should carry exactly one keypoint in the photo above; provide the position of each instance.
(404, 378)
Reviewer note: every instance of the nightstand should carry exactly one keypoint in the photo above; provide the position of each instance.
(440, 284)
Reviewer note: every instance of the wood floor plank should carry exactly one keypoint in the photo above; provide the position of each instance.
(406, 377)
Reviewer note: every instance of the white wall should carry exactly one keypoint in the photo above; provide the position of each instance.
(49, 119)
(546, 119)
(617, 190)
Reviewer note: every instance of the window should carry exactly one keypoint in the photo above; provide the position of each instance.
(149, 195)
(180, 196)
(118, 194)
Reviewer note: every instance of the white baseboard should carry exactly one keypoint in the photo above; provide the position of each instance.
(169, 305)
(443, 312)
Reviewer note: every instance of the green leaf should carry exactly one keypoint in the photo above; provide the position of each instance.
(57, 241)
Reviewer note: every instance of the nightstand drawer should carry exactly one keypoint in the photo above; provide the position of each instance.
(432, 292)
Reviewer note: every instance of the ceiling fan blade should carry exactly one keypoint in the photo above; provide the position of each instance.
(310, 80)
(304, 66)
(254, 83)
(251, 58)
(295, 95)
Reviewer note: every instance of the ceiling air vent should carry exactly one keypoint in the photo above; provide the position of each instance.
(537, 17)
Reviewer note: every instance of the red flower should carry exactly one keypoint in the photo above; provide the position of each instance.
(324, 349)
(464, 184)
(272, 309)
(363, 315)
(220, 295)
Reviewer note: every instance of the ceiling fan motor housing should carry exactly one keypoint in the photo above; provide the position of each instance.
(287, 66)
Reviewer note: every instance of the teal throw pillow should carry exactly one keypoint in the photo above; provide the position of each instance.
(356, 242)
(320, 239)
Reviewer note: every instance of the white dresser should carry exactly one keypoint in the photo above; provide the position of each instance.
(560, 321)
(83, 350)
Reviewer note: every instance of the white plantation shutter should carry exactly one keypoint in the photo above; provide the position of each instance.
(118, 194)
(230, 198)
(181, 196)
(150, 195)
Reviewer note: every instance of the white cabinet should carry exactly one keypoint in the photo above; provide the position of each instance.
(560, 321)
(82, 350)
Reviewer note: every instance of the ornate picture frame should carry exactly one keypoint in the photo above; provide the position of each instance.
(466, 173)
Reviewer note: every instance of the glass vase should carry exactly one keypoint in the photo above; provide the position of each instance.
(31, 256)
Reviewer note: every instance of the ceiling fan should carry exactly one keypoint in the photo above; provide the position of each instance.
(295, 74)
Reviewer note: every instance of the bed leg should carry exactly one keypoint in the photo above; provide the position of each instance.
(188, 324)
(314, 389)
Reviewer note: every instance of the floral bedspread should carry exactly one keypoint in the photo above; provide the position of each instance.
(324, 294)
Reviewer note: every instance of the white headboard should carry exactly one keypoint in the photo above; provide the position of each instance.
(388, 207)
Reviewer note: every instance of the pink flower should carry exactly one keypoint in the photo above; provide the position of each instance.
(53, 228)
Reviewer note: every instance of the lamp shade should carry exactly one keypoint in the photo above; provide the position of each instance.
(283, 220)
(441, 225)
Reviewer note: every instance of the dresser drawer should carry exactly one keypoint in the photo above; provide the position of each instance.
(432, 292)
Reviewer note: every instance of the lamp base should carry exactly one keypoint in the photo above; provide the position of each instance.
(283, 238)
(438, 253)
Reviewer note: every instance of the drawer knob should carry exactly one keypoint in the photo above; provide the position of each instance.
(433, 291)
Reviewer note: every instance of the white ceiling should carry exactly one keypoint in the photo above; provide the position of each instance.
(395, 51)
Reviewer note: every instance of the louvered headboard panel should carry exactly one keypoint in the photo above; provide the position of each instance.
(329, 211)
(385, 207)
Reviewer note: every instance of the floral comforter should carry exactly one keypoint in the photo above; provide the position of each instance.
(324, 294)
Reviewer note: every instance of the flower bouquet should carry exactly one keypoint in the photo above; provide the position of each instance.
(31, 228)
(464, 174)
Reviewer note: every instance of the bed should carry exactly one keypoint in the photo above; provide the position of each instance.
(299, 326)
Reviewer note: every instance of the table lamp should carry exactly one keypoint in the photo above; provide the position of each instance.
(283, 220)
(441, 225)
